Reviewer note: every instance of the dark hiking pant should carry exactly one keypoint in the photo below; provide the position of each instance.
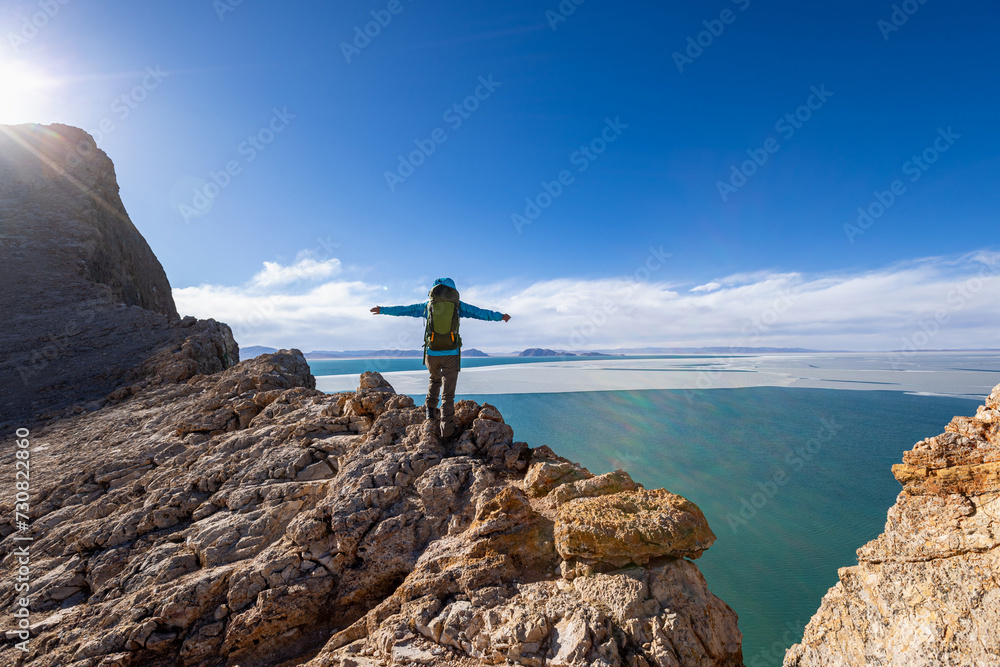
(444, 371)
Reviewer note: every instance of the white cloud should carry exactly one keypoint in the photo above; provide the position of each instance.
(304, 269)
(707, 287)
(944, 302)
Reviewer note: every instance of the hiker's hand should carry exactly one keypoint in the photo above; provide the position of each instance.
(376, 310)
(506, 317)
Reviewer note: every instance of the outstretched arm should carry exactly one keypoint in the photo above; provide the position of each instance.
(413, 310)
(468, 310)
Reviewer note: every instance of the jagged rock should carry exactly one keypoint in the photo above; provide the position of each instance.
(601, 485)
(925, 591)
(546, 473)
(234, 523)
(88, 316)
(965, 459)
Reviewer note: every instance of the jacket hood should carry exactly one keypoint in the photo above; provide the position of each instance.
(445, 281)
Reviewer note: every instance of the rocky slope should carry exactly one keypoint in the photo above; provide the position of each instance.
(84, 301)
(245, 518)
(184, 509)
(927, 591)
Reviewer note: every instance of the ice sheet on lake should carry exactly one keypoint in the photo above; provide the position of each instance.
(964, 374)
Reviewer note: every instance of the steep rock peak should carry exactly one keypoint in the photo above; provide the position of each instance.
(61, 201)
(88, 312)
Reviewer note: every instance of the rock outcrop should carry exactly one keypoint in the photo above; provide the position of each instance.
(245, 518)
(84, 301)
(926, 591)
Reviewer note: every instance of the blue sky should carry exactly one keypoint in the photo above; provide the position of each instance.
(640, 137)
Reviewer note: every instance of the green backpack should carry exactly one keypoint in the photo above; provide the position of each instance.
(442, 320)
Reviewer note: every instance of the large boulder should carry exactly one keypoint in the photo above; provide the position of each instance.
(631, 526)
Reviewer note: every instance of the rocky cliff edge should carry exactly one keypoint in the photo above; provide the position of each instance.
(926, 592)
(245, 518)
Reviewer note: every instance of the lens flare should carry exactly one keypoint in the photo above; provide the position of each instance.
(25, 93)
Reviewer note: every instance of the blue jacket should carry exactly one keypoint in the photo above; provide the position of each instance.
(420, 310)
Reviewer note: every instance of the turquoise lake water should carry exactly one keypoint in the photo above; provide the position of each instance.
(792, 480)
(733, 450)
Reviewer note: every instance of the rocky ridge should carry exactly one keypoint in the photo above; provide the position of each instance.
(927, 590)
(245, 518)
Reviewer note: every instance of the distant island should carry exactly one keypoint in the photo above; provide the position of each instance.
(543, 352)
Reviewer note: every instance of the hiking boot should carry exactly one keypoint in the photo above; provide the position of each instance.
(431, 413)
(448, 428)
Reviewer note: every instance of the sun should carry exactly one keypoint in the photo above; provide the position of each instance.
(25, 93)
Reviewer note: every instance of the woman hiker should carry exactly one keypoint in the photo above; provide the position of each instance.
(442, 344)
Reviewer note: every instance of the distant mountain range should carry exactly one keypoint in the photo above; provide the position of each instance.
(252, 351)
(714, 350)
(256, 350)
(621, 352)
(544, 352)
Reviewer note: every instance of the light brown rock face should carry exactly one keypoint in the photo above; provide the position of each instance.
(927, 591)
(631, 526)
(244, 518)
(83, 300)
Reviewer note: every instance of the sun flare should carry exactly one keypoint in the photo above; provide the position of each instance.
(25, 92)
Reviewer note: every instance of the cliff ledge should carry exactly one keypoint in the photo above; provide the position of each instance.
(246, 518)
(926, 591)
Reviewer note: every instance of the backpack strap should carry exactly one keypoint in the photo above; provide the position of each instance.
(428, 326)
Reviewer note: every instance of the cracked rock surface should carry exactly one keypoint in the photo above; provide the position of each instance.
(245, 518)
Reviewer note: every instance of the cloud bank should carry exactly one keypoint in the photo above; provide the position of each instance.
(928, 303)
